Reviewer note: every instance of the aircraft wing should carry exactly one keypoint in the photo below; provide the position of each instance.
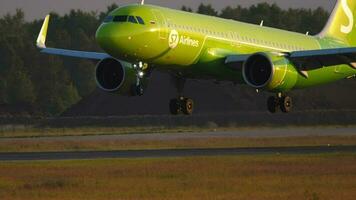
(236, 61)
(310, 59)
(41, 43)
(314, 59)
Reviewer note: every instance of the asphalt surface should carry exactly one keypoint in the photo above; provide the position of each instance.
(162, 153)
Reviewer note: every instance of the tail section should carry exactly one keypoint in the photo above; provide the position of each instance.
(341, 24)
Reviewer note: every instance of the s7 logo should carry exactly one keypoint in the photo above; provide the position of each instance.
(173, 39)
(347, 29)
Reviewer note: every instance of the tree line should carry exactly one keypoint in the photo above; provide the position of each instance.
(48, 85)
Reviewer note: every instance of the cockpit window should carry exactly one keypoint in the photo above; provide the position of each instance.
(120, 18)
(125, 18)
(140, 20)
(108, 19)
(132, 19)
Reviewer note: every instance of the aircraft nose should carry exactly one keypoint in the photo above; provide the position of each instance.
(105, 36)
(115, 39)
(127, 41)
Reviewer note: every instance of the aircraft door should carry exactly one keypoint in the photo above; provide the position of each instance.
(162, 24)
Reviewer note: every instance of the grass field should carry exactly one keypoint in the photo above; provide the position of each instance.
(292, 177)
(32, 132)
(29, 132)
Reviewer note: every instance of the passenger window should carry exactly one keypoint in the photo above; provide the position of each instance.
(132, 19)
(108, 19)
(140, 20)
(120, 18)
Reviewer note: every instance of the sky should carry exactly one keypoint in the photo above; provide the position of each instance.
(36, 9)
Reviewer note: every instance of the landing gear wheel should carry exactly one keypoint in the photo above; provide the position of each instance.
(174, 107)
(187, 106)
(272, 104)
(286, 104)
(181, 106)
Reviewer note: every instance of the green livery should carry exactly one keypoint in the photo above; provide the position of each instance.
(140, 38)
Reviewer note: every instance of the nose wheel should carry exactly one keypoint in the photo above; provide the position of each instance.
(280, 102)
(181, 105)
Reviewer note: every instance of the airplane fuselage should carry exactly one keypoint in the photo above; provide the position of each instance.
(196, 45)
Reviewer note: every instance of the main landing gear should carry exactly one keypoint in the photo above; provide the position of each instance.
(181, 105)
(280, 102)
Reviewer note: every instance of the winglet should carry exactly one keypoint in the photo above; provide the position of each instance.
(41, 40)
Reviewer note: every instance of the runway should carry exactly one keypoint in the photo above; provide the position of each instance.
(163, 153)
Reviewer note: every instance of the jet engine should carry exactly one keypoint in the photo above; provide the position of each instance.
(117, 77)
(271, 72)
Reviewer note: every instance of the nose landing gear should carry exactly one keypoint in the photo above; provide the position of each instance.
(282, 102)
(138, 89)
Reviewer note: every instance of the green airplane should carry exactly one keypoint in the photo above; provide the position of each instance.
(139, 38)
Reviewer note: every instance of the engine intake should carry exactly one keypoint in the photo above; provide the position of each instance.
(110, 74)
(271, 72)
(117, 76)
(258, 70)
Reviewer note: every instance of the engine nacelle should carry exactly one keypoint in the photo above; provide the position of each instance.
(271, 72)
(116, 76)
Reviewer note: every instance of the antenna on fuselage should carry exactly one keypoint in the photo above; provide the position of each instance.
(143, 2)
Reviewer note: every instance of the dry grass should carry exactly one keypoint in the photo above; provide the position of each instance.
(292, 177)
(23, 132)
(220, 142)
(32, 132)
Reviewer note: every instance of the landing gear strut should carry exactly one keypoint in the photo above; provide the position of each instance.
(181, 105)
(282, 102)
(138, 89)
